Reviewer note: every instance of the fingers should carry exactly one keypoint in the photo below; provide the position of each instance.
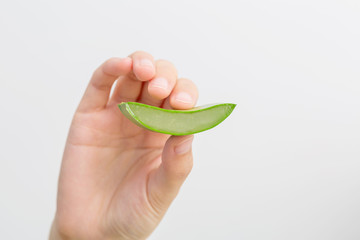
(151, 82)
(128, 88)
(165, 182)
(97, 93)
(144, 65)
(184, 95)
(160, 87)
(142, 79)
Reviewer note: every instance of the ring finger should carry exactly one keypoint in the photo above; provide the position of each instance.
(184, 95)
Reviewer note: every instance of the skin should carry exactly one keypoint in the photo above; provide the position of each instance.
(117, 180)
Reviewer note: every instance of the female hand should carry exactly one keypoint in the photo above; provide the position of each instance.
(117, 180)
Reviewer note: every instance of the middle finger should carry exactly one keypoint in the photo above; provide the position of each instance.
(160, 87)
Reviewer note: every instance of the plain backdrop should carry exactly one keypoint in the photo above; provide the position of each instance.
(284, 165)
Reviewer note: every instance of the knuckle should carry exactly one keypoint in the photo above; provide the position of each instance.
(109, 66)
(110, 60)
(181, 172)
(141, 53)
(187, 83)
(166, 67)
(166, 63)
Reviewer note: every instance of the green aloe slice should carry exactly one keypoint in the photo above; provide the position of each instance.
(176, 122)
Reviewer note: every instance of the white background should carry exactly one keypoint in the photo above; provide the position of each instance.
(285, 165)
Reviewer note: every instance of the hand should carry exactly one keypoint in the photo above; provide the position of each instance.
(117, 180)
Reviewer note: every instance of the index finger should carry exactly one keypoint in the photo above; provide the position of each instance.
(97, 93)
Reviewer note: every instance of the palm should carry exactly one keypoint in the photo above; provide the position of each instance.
(113, 152)
(106, 187)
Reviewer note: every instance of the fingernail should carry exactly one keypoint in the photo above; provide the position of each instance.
(184, 146)
(159, 83)
(184, 97)
(144, 62)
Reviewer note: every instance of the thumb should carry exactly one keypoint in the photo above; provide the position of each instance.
(165, 181)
